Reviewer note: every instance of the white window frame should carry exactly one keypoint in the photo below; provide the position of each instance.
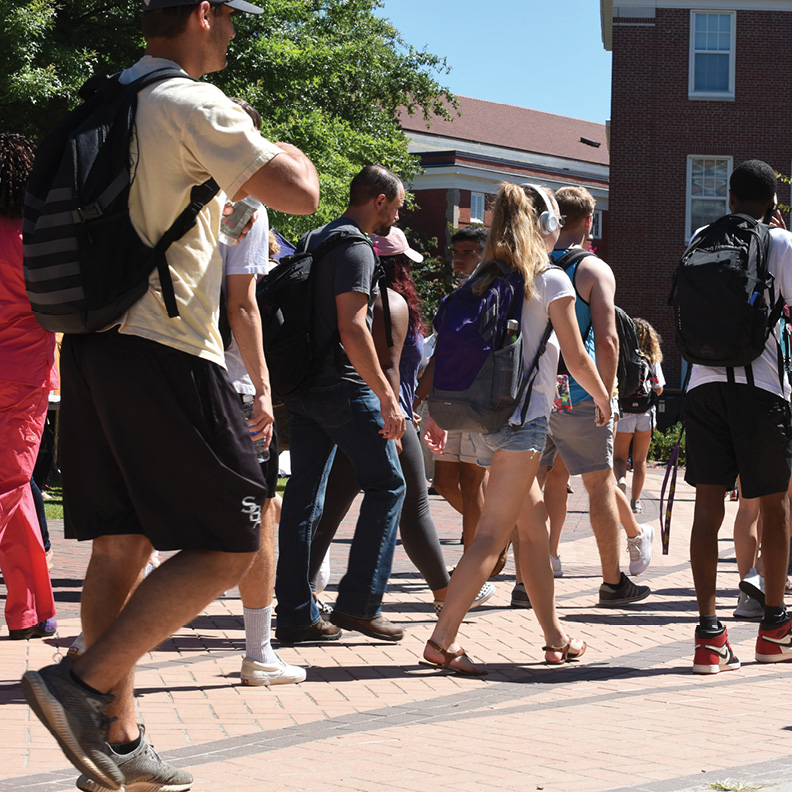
(724, 96)
(476, 197)
(689, 183)
(596, 224)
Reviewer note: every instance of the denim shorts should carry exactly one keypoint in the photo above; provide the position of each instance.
(530, 437)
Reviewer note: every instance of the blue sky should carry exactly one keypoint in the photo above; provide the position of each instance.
(542, 54)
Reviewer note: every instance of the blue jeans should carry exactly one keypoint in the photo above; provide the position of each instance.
(338, 413)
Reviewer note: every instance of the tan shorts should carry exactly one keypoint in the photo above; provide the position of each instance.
(458, 448)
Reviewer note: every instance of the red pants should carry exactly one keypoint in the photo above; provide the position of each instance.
(29, 600)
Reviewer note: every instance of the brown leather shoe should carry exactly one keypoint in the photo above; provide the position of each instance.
(321, 631)
(378, 627)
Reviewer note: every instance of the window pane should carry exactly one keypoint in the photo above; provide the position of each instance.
(711, 72)
(701, 22)
(703, 211)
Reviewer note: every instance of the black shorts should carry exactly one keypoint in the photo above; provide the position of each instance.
(153, 442)
(269, 467)
(738, 430)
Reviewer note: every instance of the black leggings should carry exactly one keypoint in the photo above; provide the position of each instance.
(417, 531)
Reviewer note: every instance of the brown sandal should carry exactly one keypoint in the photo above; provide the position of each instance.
(450, 661)
(566, 651)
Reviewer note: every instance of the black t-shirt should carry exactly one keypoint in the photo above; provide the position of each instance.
(349, 267)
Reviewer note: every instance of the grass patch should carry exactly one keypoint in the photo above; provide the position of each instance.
(53, 507)
(727, 785)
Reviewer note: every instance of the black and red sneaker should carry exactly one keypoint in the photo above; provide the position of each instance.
(714, 654)
(774, 645)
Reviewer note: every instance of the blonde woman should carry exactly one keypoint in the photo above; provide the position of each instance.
(636, 428)
(524, 230)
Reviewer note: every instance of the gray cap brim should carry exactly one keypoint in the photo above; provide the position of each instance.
(242, 5)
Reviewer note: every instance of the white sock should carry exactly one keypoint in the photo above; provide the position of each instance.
(323, 575)
(258, 623)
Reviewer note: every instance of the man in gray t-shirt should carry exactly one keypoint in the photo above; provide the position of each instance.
(350, 405)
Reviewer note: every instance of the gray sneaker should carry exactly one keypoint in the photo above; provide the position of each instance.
(76, 719)
(753, 584)
(626, 593)
(143, 771)
(519, 597)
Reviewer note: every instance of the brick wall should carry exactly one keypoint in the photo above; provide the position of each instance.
(654, 127)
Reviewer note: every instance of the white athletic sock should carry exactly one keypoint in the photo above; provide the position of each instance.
(323, 575)
(258, 623)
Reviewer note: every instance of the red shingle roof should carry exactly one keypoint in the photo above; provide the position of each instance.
(516, 128)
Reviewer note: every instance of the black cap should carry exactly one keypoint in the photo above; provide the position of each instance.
(237, 5)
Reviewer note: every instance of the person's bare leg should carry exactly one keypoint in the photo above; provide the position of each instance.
(511, 475)
(746, 534)
(707, 518)
(775, 546)
(446, 482)
(257, 585)
(114, 571)
(555, 498)
(165, 601)
(604, 516)
(535, 563)
(641, 443)
(472, 484)
(626, 516)
(621, 453)
(515, 541)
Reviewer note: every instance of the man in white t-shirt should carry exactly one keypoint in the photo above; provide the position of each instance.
(736, 428)
(155, 451)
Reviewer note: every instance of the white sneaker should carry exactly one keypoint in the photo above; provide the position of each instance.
(278, 673)
(555, 562)
(748, 609)
(622, 484)
(486, 591)
(753, 584)
(640, 549)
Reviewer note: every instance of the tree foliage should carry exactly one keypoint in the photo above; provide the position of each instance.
(326, 75)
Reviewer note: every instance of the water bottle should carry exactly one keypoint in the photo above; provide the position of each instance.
(231, 225)
(262, 452)
(512, 333)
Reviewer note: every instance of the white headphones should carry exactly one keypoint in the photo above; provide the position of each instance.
(548, 221)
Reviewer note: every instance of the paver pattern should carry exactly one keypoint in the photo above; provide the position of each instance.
(629, 716)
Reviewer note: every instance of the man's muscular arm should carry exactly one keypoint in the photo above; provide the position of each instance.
(597, 286)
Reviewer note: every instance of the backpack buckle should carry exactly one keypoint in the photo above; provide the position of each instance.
(85, 213)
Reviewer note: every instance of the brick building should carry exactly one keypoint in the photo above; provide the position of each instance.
(465, 160)
(697, 88)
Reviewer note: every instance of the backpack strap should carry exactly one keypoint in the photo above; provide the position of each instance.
(200, 195)
(531, 376)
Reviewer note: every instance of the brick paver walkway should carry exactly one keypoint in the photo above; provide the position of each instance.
(370, 717)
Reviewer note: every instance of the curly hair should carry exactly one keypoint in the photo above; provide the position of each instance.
(398, 278)
(649, 340)
(16, 162)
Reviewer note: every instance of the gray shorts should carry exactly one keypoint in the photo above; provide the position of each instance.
(584, 446)
(630, 423)
(530, 437)
(458, 448)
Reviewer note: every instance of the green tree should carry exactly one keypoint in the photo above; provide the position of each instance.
(327, 75)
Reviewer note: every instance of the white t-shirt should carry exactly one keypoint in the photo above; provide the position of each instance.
(249, 257)
(186, 132)
(765, 367)
(550, 286)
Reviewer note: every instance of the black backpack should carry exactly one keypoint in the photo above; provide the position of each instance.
(645, 396)
(84, 262)
(286, 297)
(628, 371)
(723, 296)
